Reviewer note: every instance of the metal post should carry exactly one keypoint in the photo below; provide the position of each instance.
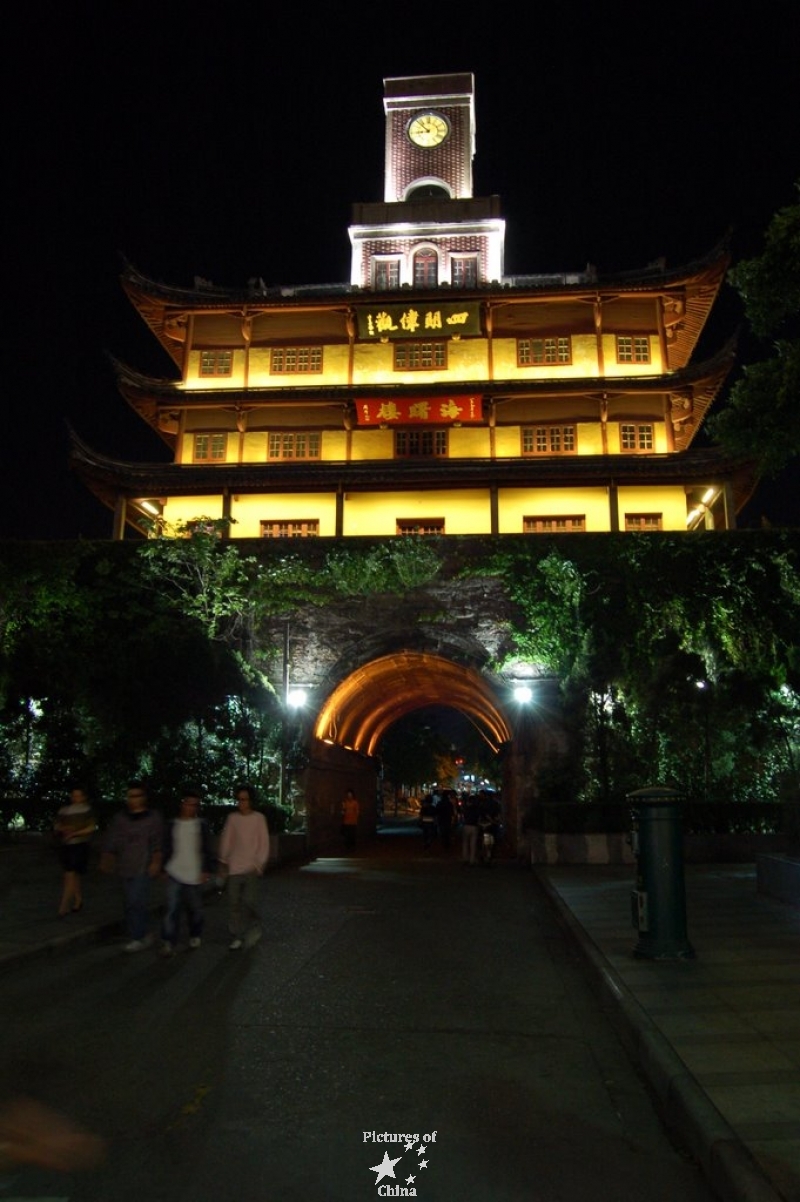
(659, 899)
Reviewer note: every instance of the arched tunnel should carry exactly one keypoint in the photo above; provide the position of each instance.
(347, 730)
(362, 707)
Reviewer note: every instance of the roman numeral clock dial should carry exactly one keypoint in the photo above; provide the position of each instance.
(428, 129)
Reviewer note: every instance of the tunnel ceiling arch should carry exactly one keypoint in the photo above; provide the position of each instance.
(372, 698)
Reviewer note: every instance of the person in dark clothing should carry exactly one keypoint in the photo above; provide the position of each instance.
(427, 820)
(444, 818)
(469, 830)
(133, 846)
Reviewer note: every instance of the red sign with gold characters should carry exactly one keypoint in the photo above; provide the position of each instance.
(410, 411)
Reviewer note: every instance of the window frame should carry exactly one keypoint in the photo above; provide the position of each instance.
(563, 523)
(642, 523)
(381, 263)
(640, 429)
(559, 355)
(633, 357)
(437, 434)
(282, 353)
(429, 258)
(211, 435)
(220, 363)
(403, 348)
(438, 523)
(294, 523)
(310, 435)
(460, 261)
(568, 432)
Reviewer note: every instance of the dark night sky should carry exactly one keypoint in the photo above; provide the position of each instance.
(232, 145)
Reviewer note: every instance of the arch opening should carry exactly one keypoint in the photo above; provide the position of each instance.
(371, 699)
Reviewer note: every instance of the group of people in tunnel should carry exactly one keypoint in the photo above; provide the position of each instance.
(443, 812)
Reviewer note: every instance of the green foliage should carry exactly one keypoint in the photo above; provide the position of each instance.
(414, 560)
(549, 592)
(761, 420)
(404, 563)
(118, 660)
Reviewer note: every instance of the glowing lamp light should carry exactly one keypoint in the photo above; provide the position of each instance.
(296, 698)
(522, 694)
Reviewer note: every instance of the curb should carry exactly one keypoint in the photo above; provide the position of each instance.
(683, 1105)
(33, 951)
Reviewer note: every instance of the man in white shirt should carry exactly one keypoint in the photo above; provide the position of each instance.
(188, 863)
(243, 855)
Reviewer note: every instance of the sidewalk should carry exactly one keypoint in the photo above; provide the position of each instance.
(30, 892)
(717, 1037)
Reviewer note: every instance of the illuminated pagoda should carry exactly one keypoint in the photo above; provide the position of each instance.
(431, 393)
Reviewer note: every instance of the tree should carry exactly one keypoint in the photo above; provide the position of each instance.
(762, 417)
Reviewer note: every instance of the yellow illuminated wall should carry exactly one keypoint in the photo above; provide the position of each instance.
(236, 379)
(670, 502)
(250, 511)
(514, 504)
(467, 359)
(178, 510)
(377, 513)
(588, 435)
(335, 357)
(212, 423)
(659, 436)
(654, 368)
(584, 361)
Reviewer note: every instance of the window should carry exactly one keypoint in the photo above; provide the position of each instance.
(297, 444)
(286, 360)
(634, 437)
(412, 444)
(420, 525)
(419, 356)
(426, 269)
(216, 363)
(290, 529)
(387, 274)
(464, 271)
(633, 349)
(534, 352)
(548, 440)
(210, 448)
(554, 525)
(643, 521)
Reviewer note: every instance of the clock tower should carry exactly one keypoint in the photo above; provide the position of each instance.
(430, 230)
(430, 136)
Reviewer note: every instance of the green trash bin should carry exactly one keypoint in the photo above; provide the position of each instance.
(658, 902)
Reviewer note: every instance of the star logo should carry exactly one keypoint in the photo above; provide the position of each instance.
(385, 1168)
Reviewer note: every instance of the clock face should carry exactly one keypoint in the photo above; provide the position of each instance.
(429, 129)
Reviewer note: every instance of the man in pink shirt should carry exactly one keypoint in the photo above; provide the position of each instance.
(243, 854)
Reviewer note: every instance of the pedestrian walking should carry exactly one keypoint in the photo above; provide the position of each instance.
(350, 812)
(427, 819)
(74, 826)
(188, 857)
(133, 847)
(243, 854)
(445, 813)
(469, 830)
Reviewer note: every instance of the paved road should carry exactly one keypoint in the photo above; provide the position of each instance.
(394, 994)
